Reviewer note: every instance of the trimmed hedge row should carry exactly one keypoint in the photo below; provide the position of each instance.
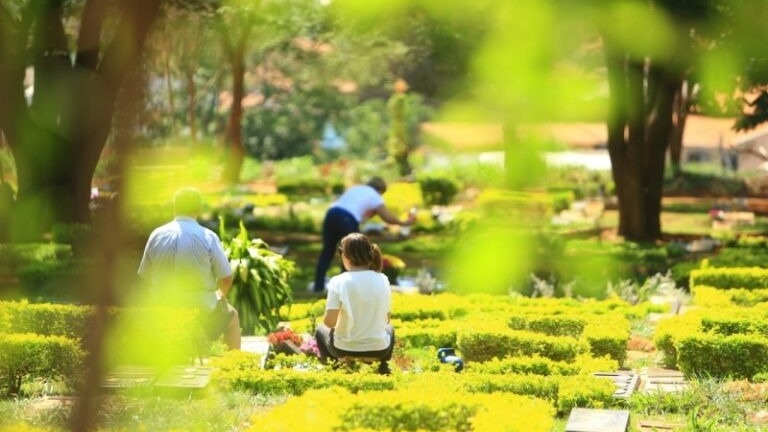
(583, 364)
(736, 356)
(731, 277)
(27, 355)
(563, 392)
(715, 297)
(606, 334)
(411, 410)
(483, 345)
(719, 343)
(45, 319)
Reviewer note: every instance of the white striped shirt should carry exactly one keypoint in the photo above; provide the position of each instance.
(185, 260)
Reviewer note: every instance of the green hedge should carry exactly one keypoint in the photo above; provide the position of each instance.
(734, 357)
(438, 190)
(292, 382)
(730, 277)
(30, 356)
(45, 319)
(479, 345)
(543, 366)
(553, 325)
(309, 187)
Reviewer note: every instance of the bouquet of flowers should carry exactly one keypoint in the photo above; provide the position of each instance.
(277, 338)
(309, 347)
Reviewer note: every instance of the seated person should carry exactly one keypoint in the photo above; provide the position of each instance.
(357, 311)
(186, 266)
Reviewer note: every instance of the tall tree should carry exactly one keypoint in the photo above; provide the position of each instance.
(253, 27)
(648, 53)
(57, 131)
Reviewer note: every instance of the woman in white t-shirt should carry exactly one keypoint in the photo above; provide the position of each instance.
(357, 310)
(354, 206)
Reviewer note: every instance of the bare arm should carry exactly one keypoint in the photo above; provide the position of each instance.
(330, 318)
(388, 217)
(224, 284)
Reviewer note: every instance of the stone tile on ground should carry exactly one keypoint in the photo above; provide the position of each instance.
(128, 376)
(656, 426)
(626, 382)
(597, 420)
(184, 377)
(662, 380)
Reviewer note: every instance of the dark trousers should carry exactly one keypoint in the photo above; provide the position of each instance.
(324, 337)
(336, 225)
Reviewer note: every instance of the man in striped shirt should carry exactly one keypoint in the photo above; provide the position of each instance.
(186, 266)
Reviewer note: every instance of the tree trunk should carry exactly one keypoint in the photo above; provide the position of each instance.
(639, 129)
(55, 147)
(233, 140)
(191, 102)
(680, 107)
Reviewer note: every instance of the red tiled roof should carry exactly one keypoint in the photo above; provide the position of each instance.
(700, 132)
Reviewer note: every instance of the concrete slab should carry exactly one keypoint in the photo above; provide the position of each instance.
(597, 420)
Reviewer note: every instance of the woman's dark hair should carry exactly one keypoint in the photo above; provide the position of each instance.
(377, 264)
(359, 250)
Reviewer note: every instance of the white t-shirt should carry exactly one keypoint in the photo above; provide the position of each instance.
(359, 200)
(364, 300)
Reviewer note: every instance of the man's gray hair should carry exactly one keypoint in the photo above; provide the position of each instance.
(187, 201)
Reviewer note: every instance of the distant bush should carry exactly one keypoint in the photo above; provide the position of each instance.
(438, 190)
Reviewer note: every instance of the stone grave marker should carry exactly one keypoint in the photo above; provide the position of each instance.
(663, 380)
(597, 420)
(128, 376)
(256, 345)
(184, 378)
(626, 382)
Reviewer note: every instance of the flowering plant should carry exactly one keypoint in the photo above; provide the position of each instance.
(309, 347)
(280, 336)
(391, 266)
(391, 261)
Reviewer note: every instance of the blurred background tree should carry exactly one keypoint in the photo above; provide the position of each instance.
(63, 64)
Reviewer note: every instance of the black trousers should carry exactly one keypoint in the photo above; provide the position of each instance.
(324, 337)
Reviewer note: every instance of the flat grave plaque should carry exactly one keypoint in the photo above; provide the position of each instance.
(664, 381)
(597, 420)
(626, 382)
(128, 376)
(184, 377)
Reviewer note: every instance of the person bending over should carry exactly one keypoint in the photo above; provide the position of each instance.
(354, 206)
(357, 310)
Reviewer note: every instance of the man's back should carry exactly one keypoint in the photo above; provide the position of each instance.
(183, 258)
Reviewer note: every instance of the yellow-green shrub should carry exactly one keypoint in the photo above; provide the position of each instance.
(584, 364)
(584, 392)
(292, 382)
(730, 277)
(735, 356)
(483, 345)
(28, 356)
(608, 338)
(553, 325)
(443, 306)
(714, 297)
(45, 319)
(429, 410)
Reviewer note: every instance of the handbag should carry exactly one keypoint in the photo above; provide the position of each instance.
(216, 321)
